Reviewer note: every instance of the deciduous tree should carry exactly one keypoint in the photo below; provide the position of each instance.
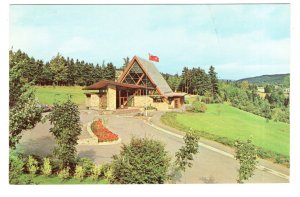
(66, 129)
(24, 112)
(246, 154)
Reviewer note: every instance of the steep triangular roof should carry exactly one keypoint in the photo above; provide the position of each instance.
(152, 73)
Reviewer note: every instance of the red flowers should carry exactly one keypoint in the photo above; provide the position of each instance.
(103, 134)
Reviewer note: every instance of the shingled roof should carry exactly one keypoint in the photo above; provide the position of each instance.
(152, 72)
(155, 75)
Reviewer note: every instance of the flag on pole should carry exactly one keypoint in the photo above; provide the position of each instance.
(153, 58)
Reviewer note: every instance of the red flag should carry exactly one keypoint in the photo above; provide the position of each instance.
(153, 58)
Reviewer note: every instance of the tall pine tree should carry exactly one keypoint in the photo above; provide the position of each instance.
(213, 81)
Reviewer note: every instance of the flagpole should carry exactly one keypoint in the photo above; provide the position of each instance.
(146, 88)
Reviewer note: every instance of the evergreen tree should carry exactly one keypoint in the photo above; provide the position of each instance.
(79, 80)
(59, 69)
(70, 71)
(173, 81)
(200, 81)
(213, 81)
(126, 62)
(110, 72)
(186, 75)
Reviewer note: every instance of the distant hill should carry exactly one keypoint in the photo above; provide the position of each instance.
(270, 79)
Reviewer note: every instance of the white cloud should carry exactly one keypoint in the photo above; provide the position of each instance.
(180, 38)
(31, 40)
(76, 44)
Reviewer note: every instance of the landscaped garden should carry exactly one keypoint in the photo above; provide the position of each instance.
(225, 124)
(103, 133)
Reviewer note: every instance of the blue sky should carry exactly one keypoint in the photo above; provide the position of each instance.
(239, 40)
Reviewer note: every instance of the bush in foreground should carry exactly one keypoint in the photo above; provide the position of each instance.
(66, 129)
(47, 168)
(79, 173)
(64, 173)
(32, 165)
(246, 154)
(87, 165)
(16, 167)
(142, 161)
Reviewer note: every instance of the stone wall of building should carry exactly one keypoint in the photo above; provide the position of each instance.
(111, 97)
(103, 101)
(141, 101)
(163, 106)
(94, 100)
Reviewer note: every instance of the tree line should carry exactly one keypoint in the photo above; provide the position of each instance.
(240, 94)
(243, 95)
(60, 70)
(194, 81)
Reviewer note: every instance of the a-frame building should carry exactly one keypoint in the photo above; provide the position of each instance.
(140, 85)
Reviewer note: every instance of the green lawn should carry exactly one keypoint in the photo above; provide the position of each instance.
(51, 94)
(53, 180)
(225, 121)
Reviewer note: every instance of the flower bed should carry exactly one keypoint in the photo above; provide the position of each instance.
(103, 134)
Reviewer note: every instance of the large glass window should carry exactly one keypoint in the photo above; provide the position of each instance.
(137, 76)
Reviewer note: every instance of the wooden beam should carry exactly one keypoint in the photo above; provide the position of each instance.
(140, 79)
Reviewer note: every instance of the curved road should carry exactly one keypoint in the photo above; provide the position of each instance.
(209, 166)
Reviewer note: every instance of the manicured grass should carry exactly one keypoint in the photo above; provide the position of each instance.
(231, 123)
(51, 94)
(53, 180)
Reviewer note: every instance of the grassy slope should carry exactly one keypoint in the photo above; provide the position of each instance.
(50, 94)
(233, 123)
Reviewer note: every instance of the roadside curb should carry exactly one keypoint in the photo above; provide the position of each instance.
(260, 167)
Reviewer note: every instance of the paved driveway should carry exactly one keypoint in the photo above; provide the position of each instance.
(208, 166)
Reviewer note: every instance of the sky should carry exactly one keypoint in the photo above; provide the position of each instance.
(238, 40)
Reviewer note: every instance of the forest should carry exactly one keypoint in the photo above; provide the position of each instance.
(60, 70)
(65, 71)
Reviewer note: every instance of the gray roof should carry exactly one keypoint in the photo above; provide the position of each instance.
(155, 75)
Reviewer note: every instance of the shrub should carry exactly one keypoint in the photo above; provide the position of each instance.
(32, 165)
(198, 106)
(186, 101)
(142, 161)
(66, 129)
(96, 171)
(185, 154)
(246, 154)
(47, 168)
(87, 165)
(16, 167)
(79, 172)
(64, 173)
(109, 174)
(280, 115)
